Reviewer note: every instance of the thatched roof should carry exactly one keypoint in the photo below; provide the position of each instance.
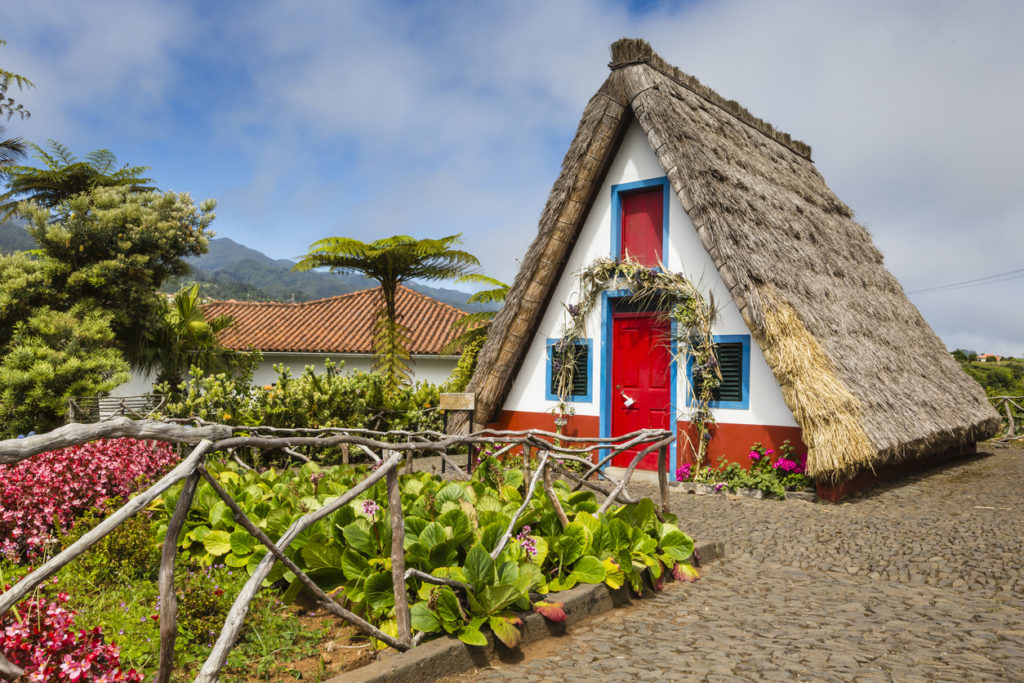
(865, 376)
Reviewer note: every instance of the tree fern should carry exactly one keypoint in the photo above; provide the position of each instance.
(391, 261)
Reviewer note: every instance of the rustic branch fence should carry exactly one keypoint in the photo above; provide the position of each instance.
(544, 454)
(96, 408)
(1013, 408)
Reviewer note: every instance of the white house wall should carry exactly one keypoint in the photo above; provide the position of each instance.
(433, 369)
(636, 161)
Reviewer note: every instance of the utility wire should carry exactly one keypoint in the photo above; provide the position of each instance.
(987, 280)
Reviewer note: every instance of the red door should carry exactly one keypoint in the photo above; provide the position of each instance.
(641, 387)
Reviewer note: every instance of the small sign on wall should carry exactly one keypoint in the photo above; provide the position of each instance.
(458, 401)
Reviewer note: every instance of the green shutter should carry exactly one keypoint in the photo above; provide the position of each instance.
(579, 372)
(730, 362)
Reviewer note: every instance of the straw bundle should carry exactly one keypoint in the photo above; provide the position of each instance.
(822, 404)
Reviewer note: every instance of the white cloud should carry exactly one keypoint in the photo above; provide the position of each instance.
(312, 117)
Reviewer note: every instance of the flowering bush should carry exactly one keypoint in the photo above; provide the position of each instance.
(771, 472)
(42, 496)
(39, 635)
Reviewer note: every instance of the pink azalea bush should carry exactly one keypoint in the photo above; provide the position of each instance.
(42, 496)
(769, 471)
(39, 635)
(785, 463)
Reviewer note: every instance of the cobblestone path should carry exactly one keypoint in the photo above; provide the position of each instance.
(919, 580)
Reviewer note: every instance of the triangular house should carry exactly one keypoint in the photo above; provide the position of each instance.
(823, 345)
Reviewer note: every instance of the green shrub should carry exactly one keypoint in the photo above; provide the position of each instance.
(450, 530)
(129, 552)
(327, 399)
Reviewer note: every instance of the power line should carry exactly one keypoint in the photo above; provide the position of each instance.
(987, 280)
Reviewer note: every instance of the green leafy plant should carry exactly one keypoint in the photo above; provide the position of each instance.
(452, 529)
(313, 399)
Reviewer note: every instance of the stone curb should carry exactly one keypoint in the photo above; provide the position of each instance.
(702, 489)
(449, 656)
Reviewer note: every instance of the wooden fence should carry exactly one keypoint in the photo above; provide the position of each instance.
(1013, 408)
(545, 453)
(96, 408)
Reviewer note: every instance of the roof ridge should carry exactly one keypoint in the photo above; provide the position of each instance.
(290, 303)
(331, 299)
(636, 51)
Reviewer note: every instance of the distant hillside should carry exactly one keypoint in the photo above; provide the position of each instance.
(14, 237)
(224, 252)
(230, 270)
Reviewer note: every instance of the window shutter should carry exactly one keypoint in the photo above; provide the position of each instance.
(579, 371)
(730, 362)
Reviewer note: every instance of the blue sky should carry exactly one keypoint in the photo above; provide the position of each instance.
(310, 119)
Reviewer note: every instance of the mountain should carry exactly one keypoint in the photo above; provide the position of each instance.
(14, 237)
(232, 270)
(229, 270)
(224, 252)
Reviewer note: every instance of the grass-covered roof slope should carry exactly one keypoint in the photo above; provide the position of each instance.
(865, 376)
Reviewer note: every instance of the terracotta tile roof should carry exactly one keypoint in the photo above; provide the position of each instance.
(339, 324)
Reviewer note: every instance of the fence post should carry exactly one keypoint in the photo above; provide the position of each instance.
(663, 478)
(398, 557)
(1011, 425)
(527, 454)
(549, 489)
(168, 598)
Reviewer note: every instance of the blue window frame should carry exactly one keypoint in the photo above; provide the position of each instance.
(735, 366)
(618, 191)
(583, 386)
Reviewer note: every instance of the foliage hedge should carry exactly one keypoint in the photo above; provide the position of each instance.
(327, 399)
(451, 529)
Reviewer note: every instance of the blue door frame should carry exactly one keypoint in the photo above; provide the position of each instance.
(605, 423)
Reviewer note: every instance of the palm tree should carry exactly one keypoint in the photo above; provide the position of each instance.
(183, 338)
(391, 261)
(65, 175)
(11, 149)
(474, 327)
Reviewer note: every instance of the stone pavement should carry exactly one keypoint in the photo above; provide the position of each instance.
(918, 580)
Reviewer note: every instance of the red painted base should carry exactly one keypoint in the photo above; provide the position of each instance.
(733, 442)
(833, 493)
(578, 425)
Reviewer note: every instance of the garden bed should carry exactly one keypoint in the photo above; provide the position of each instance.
(461, 558)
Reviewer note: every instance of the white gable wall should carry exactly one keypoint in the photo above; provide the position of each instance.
(635, 161)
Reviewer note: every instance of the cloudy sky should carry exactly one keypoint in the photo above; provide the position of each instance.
(308, 118)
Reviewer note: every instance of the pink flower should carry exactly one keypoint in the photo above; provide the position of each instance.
(74, 670)
(370, 507)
